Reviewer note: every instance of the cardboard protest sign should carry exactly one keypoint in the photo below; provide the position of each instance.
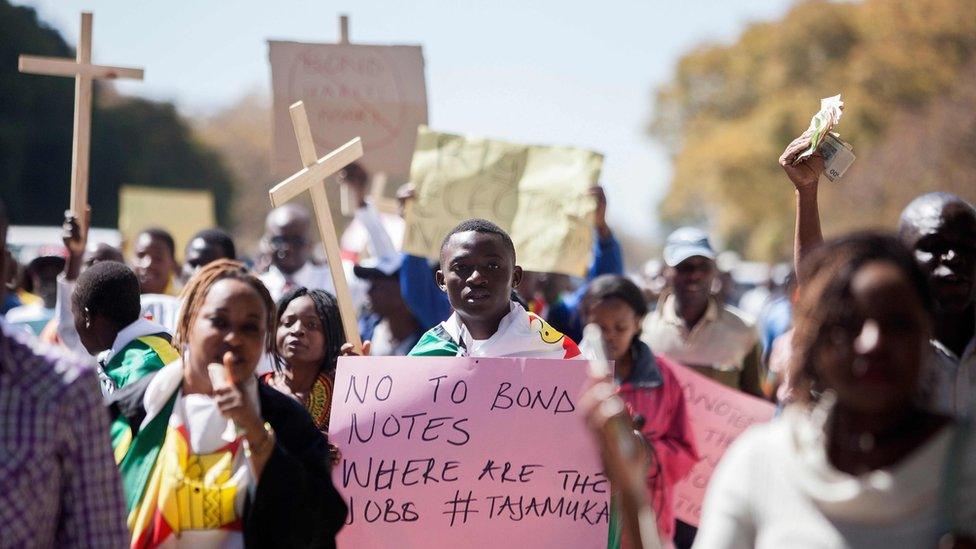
(182, 212)
(718, 415)
(466, 452)
(538, 194)
(350, 90)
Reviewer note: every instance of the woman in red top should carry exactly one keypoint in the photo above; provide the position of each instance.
(308, 339)
(649, 388)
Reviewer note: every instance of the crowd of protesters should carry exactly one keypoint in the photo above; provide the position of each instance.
(867, 345)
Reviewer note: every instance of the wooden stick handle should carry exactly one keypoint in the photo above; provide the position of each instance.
(343, 29)
(81, 132)
(327, 229)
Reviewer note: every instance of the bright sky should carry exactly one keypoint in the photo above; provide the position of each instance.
(561, 72)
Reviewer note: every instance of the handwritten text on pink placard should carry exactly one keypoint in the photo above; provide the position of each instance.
(466, 452)
(718, 415)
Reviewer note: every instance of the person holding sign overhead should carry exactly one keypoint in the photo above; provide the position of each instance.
(203, 433)
(479, 273)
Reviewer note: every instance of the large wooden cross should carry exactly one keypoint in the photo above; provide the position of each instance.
(312, 177)
(84, 72)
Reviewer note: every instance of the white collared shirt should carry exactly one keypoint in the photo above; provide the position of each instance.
(950, 385)
(315, 277)
(311, 276)
(720, 340)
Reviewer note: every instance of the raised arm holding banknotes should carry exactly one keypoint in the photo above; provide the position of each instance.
(940, 230)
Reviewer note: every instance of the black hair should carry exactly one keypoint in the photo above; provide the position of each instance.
(481, 226)
(161, 234)
(218, 237)
(610, 286)
(109, 289)
(355, 172)
(327, 309)
(825, 296)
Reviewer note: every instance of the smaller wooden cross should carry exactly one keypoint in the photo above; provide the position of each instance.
(378, 198)
(84, 72)
(312, 177)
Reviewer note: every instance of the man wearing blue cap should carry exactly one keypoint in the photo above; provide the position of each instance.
(693, 328)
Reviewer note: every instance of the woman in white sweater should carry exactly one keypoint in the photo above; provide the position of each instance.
(855, 461)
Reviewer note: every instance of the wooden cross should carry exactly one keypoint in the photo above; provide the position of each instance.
(84, 72)
(312, 177)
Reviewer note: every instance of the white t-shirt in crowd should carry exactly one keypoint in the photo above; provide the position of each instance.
(775, 488)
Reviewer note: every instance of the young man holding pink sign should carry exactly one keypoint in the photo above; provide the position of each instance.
(478, 272)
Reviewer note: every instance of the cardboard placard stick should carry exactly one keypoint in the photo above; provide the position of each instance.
(380, 201)
(345, 199)
(312, 177)
(84, 72)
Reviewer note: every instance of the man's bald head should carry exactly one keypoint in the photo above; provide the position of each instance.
(929, 207)
(99, 252)
(940, 229)
(286, 235)
(286, 215)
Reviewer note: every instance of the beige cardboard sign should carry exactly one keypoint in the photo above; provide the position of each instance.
(182, 212)
(538, 194)
(376, 93)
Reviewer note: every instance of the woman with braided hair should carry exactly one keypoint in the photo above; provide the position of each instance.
(209, 456)
(308, 339)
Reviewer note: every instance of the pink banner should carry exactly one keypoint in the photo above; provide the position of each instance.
(718, 415)
(466, 452)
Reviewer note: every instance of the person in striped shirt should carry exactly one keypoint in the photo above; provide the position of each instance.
(58, 483)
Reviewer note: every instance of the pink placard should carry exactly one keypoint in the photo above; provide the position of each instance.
(466, 452)
(718, 415)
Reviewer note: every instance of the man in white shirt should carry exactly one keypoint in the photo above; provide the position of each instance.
(693, 328)
(940, 228)
(286, 238)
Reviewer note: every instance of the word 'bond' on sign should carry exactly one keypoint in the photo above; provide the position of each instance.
(464, 450)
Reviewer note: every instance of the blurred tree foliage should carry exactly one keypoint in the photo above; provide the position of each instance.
(241, 134)
(133, 141)
(907, 72)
